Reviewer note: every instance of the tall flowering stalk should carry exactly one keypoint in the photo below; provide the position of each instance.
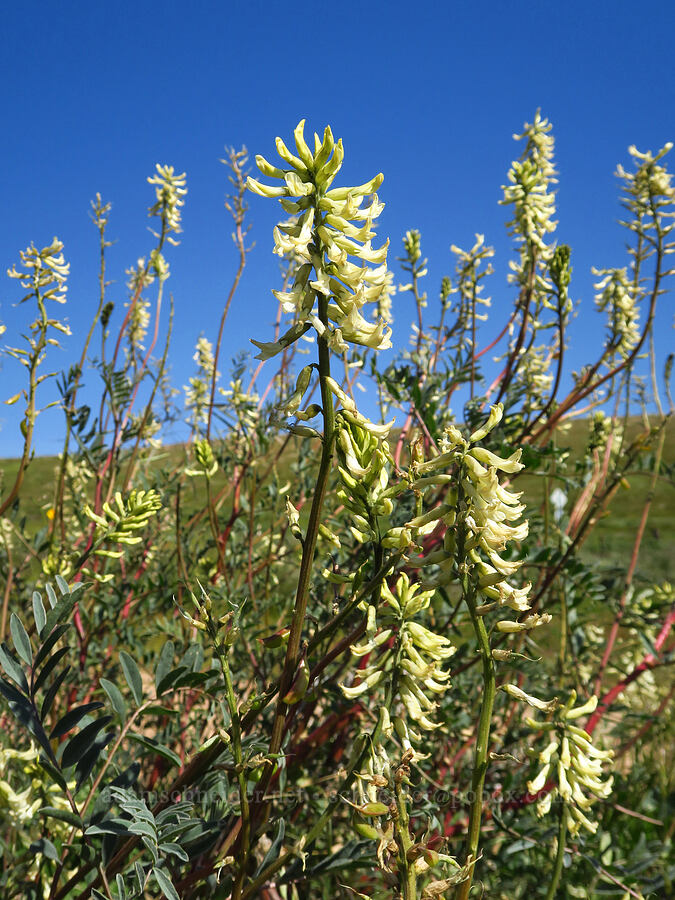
(328, 293)
(480, 516)
(44, 279)
(575, 767)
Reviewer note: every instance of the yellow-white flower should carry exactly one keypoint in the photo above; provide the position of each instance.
(574, 765)
(406, 654)
(482, 512)
(618, 296)
(170, 191)
(323, 236)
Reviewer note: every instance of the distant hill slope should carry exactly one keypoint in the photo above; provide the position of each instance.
(611, 541)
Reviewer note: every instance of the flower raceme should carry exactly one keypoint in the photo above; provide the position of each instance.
(332, 225)
(480, 516)
(575, 765)
(406, 653)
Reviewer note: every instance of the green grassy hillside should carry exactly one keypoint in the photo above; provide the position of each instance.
(611, 541)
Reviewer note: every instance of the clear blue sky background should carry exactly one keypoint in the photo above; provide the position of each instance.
(95, 93)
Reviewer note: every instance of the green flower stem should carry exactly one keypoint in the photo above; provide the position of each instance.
(309, 543)
(237, 752)
(28, 424)
(560, 852)
(481, 756)
(406, 868)
(319, 825)
(70, 409)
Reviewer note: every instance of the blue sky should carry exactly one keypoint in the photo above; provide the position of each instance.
(94, 94)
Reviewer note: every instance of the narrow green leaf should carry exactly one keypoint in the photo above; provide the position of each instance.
(20, 639)
(86, 765)
(49, 667)
(12, 668)
(192, 679)
(44, 847)
(80, 743)
(109, 826)
(11, 693)
(133, 676)
(143, 828)
(49, 642)
(51, 595)
(170, 679)
(63, 815)
(275, 846)
(164, 663)
(171, 849)
(53, 772)
(39, 612)
(62, 585)
(60, 613)
(72, 718)
(51, 693)
(115, 697)
(156, 747)
(165, 884)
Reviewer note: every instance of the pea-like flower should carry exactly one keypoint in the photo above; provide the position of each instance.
(198, 389)
(206, 463)
(170, 191)
(573, 763)
(122, 518)
(480, 515)
(405, 654)
(618, 296)
(332, 239)
(363, 465)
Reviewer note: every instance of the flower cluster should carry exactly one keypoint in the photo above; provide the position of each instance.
(531, 178)
(618, 296)
(19, 809)
(407, 653)
(480, 516)
(245, 404)
(571, 760)
(650, 184)
(122, 519)
(198, 390)
(324, 237)
(170, 191)
(363, 464)
(46, 273)
(469, 277)
(602, 429)
(206, 463)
